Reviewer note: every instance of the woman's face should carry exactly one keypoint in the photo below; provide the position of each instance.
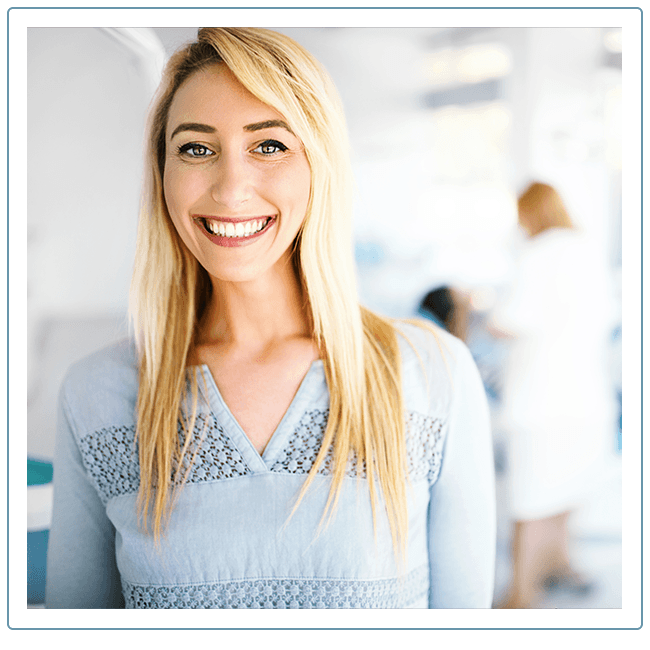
(236, 179)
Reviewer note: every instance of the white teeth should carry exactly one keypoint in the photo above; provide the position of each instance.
(215, 228)
(241, 229)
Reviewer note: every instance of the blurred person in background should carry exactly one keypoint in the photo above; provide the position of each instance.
(264, 441)
(557, 402)
(449, 308)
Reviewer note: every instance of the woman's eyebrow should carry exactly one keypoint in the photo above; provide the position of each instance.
(206, 128)
(267, 124)
(193, 126)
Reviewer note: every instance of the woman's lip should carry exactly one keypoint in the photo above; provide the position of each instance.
(231, 242)
(232, 219)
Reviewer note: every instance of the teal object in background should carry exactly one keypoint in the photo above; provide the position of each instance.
(39, 507)
(38, 472)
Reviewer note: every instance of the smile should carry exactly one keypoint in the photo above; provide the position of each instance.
(240, 229)
(232, 233)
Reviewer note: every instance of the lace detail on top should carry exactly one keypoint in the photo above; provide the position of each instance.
(111, 457)
(212, 455)
(424, 439)
(300, 453)
(283, 593)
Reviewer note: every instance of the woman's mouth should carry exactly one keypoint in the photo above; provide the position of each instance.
(234, 233)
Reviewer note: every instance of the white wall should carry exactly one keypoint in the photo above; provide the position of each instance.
(569, 92)
(87, 97)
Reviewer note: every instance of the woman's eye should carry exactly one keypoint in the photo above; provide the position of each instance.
(270, 147)
(194, 150)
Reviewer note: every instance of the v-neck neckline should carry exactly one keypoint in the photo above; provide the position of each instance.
(279, 438)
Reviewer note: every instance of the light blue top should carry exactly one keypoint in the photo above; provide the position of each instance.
(228, 542)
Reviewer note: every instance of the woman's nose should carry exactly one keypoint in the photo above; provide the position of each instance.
(232, 183)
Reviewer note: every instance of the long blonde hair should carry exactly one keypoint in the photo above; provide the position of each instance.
(170, 289)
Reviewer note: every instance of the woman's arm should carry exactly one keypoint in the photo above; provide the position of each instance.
(81, 567)
(462, 510)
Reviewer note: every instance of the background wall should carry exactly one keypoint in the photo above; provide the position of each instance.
(88, 92)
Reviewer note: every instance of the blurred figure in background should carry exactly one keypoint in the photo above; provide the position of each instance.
(448, 308)
(557, 401)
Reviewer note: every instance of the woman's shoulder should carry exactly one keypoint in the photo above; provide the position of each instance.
(104, 383)
(431, 357)
(115, 360)
(424, 339)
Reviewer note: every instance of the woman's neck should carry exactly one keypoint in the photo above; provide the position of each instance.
(257, 313)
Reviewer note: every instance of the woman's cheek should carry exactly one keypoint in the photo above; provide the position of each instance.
(181, 191)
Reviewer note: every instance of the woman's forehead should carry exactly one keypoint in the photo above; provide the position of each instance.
(214, 95)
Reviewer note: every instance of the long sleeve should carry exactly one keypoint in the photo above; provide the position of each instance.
(81, 569)
(462, 510)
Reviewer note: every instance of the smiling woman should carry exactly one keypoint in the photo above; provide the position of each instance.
(234, 174)
(189, 459)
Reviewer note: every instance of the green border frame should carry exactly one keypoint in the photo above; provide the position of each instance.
(630, 617)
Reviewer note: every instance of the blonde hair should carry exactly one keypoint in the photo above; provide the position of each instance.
(170, 289)
(540, 207)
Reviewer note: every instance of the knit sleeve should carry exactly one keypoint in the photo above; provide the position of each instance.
(81, 566)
